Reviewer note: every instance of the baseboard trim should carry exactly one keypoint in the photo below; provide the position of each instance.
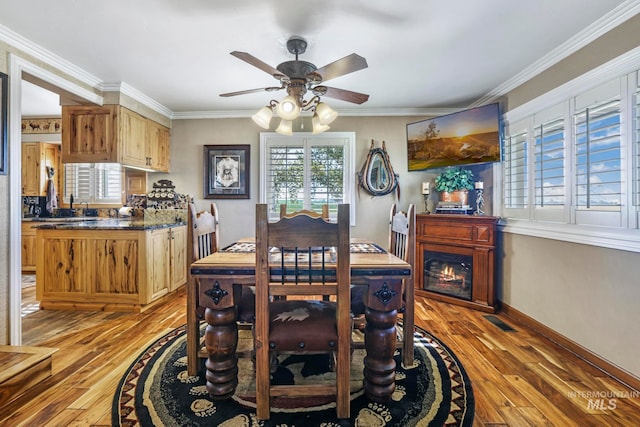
(583, 353)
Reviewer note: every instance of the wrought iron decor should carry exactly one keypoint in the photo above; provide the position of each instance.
(377, 176)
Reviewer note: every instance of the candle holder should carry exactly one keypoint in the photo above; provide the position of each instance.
(479, 201)
(426, 205)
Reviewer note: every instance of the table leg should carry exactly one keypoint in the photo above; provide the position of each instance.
(382, 301)
(220, 336)
(221, 340)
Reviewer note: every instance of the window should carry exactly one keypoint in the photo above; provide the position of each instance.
(580, 158)
(307, 171)
(94, 183)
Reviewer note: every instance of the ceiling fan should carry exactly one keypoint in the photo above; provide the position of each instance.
(298, 77)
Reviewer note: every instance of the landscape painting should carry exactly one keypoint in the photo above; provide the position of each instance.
(463, 138)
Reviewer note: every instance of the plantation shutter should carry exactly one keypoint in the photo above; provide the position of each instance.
(95, 183)
(307, 172)
(515, 170)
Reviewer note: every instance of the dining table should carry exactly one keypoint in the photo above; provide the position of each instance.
(216, 285)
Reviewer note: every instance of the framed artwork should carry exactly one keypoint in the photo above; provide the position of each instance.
(226, 171)
(4, 136)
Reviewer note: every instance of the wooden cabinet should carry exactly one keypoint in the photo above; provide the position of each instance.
(36, 158)
(178, 256)
(113, 134)
(109, 270)
(446, 242)
(158, 146)
(28, 249)
(159, 262)
(167, 263)
(89, 134)
(135, 182)
(133, 139)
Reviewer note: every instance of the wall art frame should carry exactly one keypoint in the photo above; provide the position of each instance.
(226, 171)
(4, 135)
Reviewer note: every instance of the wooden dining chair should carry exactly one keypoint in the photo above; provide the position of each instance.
(402, 243)
(304, 256)
(203, 240)
(313, 214)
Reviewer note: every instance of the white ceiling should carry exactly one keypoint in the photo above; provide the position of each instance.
(421, 54)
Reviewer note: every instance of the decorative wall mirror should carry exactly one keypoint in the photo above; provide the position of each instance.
(376, 176)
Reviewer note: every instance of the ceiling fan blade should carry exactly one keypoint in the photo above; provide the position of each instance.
(342, 94)
(244, 92)
(346, 65)
(250, 59)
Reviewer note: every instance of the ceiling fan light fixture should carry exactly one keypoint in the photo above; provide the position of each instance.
(263, 117)
(288, 108)
(326, 114)
(317, 126)
(285, 127)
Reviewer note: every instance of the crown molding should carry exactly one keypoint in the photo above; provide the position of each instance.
(370, 112)
(38, 52)
(606, 23)
(138, 96)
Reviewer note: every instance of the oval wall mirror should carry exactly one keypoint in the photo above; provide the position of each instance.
(376, 176)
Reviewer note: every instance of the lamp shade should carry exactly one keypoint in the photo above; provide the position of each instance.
(263, 117)
(288, 108)
(317, 127)
(285, 127)
(325, 114)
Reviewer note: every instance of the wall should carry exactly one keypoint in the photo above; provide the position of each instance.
(238, 216)
(587, 294)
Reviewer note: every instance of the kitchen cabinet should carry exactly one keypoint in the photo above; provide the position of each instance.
(89, 134)
(133, 139)
(107, 269)
(28, 249)
(158, 146)
(113, 134)
(36, 158)
(178, 257)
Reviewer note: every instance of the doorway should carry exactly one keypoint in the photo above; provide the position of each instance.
(19, 70)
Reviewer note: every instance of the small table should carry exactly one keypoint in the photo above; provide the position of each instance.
(221, 272)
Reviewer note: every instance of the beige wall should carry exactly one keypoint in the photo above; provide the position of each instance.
(588, 294)
(238, 216)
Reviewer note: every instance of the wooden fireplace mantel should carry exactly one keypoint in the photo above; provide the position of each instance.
(465, 235)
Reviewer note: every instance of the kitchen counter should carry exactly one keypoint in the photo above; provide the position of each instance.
(105, 224)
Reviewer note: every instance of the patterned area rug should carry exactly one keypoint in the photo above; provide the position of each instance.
(156, 390)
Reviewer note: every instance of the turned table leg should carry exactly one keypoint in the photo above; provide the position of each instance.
(382, 301)
(221, 341)
(220, 337)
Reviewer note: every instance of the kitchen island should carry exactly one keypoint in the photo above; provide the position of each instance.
(109, 264)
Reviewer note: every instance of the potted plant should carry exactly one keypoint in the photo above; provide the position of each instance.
(453, 185)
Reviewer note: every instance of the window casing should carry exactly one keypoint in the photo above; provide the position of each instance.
(94, 183)
(305, 171)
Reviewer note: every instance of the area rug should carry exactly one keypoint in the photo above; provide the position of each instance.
(156, 391)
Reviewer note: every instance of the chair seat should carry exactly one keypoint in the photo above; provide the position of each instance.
(303, 325)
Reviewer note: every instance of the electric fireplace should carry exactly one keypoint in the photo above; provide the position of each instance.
(455, 259)
(448, 274)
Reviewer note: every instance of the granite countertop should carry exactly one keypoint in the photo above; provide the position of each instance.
(107, 224)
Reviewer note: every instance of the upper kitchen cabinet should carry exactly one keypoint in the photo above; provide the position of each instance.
(158, 140)
(36, 158)
(113, 134)
(89, 134)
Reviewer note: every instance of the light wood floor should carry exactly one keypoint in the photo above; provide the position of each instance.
(518, 377)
